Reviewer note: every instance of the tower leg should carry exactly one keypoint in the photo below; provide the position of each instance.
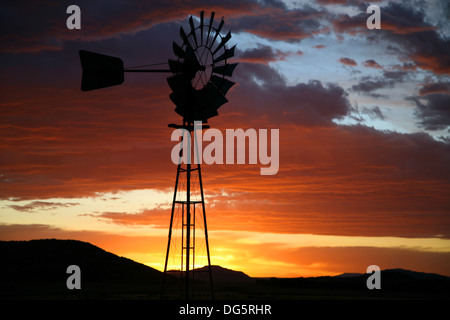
(204, 211)
(170, 229)
(206, 231)
(188, 226)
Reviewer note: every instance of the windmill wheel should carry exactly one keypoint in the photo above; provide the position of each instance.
(200, 83)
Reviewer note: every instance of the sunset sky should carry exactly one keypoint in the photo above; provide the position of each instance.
(363, 117)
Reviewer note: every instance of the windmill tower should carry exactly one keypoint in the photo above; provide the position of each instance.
(199, 84)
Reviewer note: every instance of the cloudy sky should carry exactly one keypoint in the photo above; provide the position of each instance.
(363, 116)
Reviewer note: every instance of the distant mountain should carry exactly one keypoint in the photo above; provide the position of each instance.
(395, 283)
(348, 275)
(220, 275)
(409, 274)
(399, 274)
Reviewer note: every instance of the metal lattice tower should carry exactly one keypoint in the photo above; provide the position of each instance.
(188, 211)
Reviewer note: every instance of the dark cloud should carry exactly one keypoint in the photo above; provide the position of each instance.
(405, 26)
(433, 111)
(396, 17)
(263, 54)
(374, 112)
(406, 66)
(155, 217)
(29, 27)
(280, 24)
(41, 205)
(396, 76)
(440, 87)
(332, 1)
(368, 85)
(262, 88)
(249, 74)
(32, 27)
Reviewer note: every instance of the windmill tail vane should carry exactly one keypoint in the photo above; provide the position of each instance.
(199, 82)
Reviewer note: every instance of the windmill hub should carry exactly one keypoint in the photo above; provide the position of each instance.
(205, 58)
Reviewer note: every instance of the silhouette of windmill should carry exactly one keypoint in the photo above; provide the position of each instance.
(199, 84)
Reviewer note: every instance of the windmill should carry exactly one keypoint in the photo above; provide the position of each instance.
(199, 83)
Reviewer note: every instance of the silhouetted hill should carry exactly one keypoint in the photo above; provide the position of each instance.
(411, 275)
(399, 274)
(348, 275)
(28, 266)
(395, 284)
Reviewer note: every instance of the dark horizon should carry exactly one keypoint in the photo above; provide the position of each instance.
(37, 270)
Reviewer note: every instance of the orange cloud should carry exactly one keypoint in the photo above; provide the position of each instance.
(264, 54)
(348, 61)
(372, 64)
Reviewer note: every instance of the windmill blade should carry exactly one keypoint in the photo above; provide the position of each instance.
(184, 37)
(218, 101)
(180, 83)
(211, 111)
(226, 70)
(176, 82)
(181, 87)
(222, 84)
(176, 98)
(223, 42)
(209, 114)
(189, 66)
(226, 55)
(191, 23)
(217, 32)
(181, 110)
(190, 55)
(211, 20)
(202, 13)
(176, 66)
(100, 71)
(208, 100)
(179, 52)
(204, 96)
